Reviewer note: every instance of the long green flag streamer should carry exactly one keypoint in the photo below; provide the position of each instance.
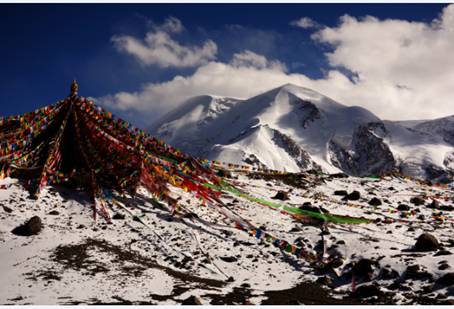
(294, 211)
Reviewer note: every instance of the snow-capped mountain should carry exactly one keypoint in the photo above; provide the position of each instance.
(294, 129)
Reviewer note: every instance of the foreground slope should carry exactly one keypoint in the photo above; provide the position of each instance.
(168, 259)
(291, 128)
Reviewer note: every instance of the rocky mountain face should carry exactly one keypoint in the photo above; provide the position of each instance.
(367, 154)
(294, 129)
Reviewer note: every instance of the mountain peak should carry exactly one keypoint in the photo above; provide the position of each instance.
(290, 124)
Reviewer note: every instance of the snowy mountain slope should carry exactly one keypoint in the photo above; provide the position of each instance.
(293, 128)
(443, 127)
(183, 125)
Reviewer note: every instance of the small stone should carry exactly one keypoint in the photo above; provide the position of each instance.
(118, 216)
(7, 209)
(228, 259)
(365, 291)
(308, 206)
(375, 202)
(363, 268)
(325, 280)
(354, 196)
(447, 208)
(338, 262)
(434, 205)
(414, 272)
(295, 229)
(281, 195)
(29, 228)
(224, 173)
(426, 242)
(444, 266)
(417, 201)
(442, 252)
(403, 207)
(387, 274)
(341, 192)
(446, 280)
(192, 301)
(393, 286)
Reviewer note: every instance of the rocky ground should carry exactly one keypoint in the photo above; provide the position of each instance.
(146, 256)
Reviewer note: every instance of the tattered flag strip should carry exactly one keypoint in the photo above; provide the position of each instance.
(293, 211)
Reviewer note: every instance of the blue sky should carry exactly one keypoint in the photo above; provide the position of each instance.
(45, 46)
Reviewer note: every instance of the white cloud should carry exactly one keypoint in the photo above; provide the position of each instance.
(402, 70)
(250, 59)
(305, 23)
(158, 48)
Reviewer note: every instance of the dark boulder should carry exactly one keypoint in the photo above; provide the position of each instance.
(339, 175)
(414, 272)
(341, 192)
(118, 216)
(387, 274)
(403, 207)
(224, 174)
(447, 208)
(192, 301)
(54, 213)
(365, 291)
(446, 279)
(444, 266)
(229, 259)
(434, 205)
(281, 195)
(29, 228)
(7, 209)
(337, 262)
(375, 202)
(443, 252)
(426, 242)
(417, 201)
(354, 196)
(324, 280)
(309, 207)
(363, 269)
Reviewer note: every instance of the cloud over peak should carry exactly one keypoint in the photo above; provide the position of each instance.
(250, 59)
(399, 70)
(410, 62)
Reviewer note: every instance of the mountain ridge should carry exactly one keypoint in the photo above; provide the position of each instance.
(329, 136)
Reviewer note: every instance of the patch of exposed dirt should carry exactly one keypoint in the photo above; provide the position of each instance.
(306, 293)
(239, 296)
(77, 257)
(297, 180)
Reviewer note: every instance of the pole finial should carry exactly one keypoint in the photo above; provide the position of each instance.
(74, 88)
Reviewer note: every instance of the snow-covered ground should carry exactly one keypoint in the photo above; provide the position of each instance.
(168, 259)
